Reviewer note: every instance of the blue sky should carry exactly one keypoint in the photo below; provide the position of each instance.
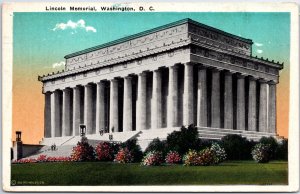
(43, 39)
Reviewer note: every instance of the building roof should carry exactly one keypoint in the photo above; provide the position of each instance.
(153, 30)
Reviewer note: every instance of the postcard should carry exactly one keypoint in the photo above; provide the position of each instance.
(150, 97)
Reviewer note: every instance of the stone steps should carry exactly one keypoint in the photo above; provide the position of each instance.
(144, 137)
(64, 150)
(212, 133)
(72, 140)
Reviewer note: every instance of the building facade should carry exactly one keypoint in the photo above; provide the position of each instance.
(158, 80)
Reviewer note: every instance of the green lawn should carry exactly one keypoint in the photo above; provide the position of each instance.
(100, 173)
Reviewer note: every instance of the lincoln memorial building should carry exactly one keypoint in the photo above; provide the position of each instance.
(149, 84)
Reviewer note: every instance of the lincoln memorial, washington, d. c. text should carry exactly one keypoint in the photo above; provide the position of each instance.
(149, 84)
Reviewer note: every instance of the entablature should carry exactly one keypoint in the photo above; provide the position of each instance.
(220, 40)
(246, 65)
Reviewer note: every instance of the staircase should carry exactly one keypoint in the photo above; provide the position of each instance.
(64, 150)
(144, 137)
(217, 133)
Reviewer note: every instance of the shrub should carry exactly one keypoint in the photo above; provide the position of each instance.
(124, 156)
(191, 158)
(237, 147)
(105, 151)
(158, 146)
(183, 140)
(206, 157)
(83, 151)
(207, 143)
(152, 158)
(173, 158)
(134, 149)
(282, 151)
(220, 154)
(272, 142)
(260, 153)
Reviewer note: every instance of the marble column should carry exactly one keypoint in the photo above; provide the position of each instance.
(127, 105)
(228, 101)
(272, 107)
(66, 113)
(100, 106)
(172, 110)
(114, 106)
(188, 97)
(240, 109)
(47, 115)
(88, 108)
(263, 106)
(141, 102)
(55, 114)
(215, 99)
(202, 97)
(76, 110)
(252, 112)
(156, 116)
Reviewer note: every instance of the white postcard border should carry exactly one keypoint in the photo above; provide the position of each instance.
(293, 165)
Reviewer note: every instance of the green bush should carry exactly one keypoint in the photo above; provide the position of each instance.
(237, 147)
(273, 144)
(282, 151)
(134, 149)
(261, 153)
(206, 143)
(183, 140)
(158, 146)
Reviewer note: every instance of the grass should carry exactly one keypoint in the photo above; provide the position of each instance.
(108, 173)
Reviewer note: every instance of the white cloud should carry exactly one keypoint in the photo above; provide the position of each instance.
(259, 51)
(59, 64)
(90, 28)
(258, 44)
(80, 24)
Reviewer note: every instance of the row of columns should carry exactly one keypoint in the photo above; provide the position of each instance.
(261, 117)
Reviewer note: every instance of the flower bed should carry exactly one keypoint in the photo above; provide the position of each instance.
(59, 159)
(43, 158)
(25, 160)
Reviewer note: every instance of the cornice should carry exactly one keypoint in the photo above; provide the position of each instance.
(154, 30)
